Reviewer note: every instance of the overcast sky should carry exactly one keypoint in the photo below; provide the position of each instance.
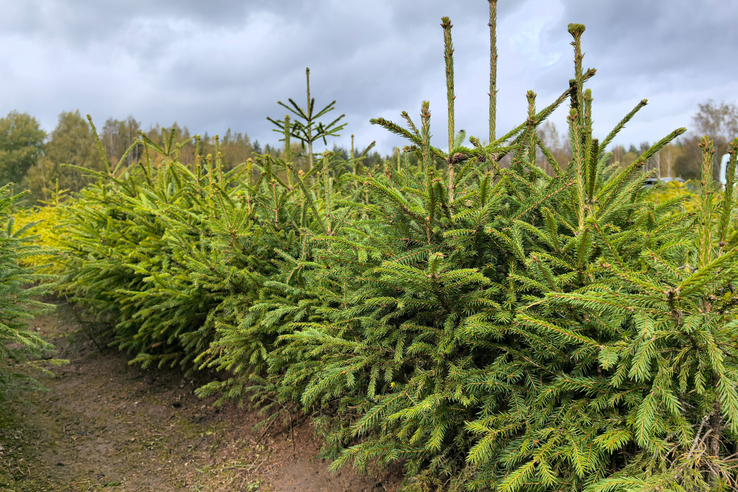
(224, 64)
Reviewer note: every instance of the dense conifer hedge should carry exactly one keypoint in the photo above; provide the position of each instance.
(487, 327)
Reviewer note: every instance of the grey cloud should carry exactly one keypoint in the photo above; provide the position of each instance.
(676, 53)
(224, 63)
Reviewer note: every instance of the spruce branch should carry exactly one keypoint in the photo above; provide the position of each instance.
(621, 124)
(576, 31)
(307, 129)
(492, 70)
(706, 202)
(448, 56)
(100, 148)
(611, 190)
(728, 202)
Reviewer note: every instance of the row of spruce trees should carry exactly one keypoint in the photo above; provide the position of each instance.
(485, 327)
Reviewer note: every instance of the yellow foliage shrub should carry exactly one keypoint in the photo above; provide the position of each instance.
(45, 232)
(674, 189)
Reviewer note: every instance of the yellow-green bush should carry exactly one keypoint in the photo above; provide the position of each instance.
(675, 190)
(688, 195)
(44, 223)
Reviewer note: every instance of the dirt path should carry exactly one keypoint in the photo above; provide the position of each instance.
(104, 425)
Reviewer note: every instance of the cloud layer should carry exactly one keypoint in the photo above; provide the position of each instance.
(225, 63)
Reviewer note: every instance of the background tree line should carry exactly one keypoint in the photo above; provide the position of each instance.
(681, 158)
(32, 159)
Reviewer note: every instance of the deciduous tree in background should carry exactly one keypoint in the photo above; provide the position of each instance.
(72, 142)
(556, 143)
(21, 146)
(117, 136)
(236, 149)
(720, 121)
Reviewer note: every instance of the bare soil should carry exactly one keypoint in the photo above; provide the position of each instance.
(106, 425)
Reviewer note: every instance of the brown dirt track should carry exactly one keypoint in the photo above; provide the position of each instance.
(106, 425)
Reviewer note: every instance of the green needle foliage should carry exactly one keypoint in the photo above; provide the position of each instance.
(19, 346)
(487, 327)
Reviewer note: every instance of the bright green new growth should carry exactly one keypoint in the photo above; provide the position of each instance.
(487, 327)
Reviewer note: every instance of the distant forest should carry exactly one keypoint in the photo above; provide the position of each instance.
(679, 159)
(32, 159)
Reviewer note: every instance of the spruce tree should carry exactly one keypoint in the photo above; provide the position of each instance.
(20, 347)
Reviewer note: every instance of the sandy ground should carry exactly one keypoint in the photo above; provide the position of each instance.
(105, 425)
